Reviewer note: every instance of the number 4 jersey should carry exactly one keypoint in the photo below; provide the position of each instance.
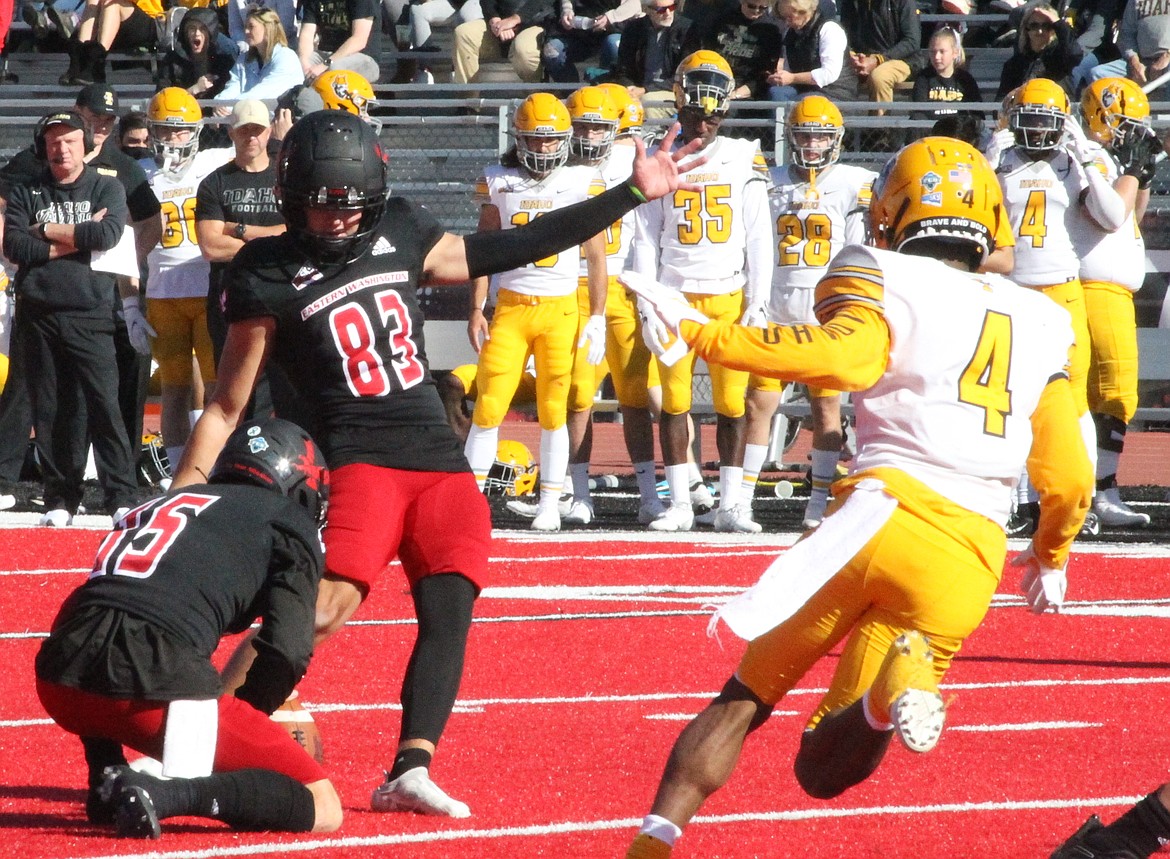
(350, 338)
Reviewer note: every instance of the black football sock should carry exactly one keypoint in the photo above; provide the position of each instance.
(99, 754)
(255, 799)
(443, 605)
(1143, 829)
(408, 759)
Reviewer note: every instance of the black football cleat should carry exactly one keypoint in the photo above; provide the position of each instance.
(1092, 841)
(1023, 520)
(134, 816)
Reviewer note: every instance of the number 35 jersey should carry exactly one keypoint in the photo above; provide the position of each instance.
(970, 355)
(815, 220)
(350, 338)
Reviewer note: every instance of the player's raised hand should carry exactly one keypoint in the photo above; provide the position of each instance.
(660, 172)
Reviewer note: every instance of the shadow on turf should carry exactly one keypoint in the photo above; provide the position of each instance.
(75, 798)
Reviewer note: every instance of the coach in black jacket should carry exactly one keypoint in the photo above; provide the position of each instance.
(51, 228)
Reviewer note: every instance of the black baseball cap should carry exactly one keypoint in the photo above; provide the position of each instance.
(70, 118)
(99, 98)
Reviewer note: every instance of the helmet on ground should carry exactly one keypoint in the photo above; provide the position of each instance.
(1113, 109)
(514, 472)
(174, 109)
(1038, 116)
(332, 160)
(341, 89)
(278, 455)
(154, 466)
(937, 188)
(542, 116)
(815, 131)
(631, 114)
(704, 80)
(595, 122)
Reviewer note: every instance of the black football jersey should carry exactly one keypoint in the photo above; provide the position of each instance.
(178, 574)
(350, 338)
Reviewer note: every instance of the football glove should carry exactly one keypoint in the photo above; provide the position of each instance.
(668, 304)
(593, 339)
(1043, 587)
(1000, 142)
(755, 316)
(1138, 155)
(138, 330)
(654, 333)
(1077, 145)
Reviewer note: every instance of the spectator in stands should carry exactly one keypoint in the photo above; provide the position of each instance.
(945, 79)
(745, 35)
(885, 42)
(234, 205)
(341, 34)
(269, 67)
(650, 49)
(52, 227)
(237, 16)
(202, 58)
(426, 13)
(105, 25)
(816, 55)
(509, 28)
(1045, 48)
(1144, 42)
(134, 134)
(1096, 23)
(585, 28)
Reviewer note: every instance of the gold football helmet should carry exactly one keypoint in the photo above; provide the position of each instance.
(704, 80)
(174, 110)
(631, 114)
(937, 187)
(514, 472)
(541, 117)
(595, 123)
(1038, 116)
(815, 131)
(1114, 108)
(341, 89)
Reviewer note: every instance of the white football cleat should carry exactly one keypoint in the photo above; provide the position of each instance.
(737, 519)
(701, 497)
(580, 513)
(547, 518)
(414, 791)
(1115, 513)
(527, 509)
(648, 511)
(57, 518)
(918, 717)
(7, 502)
(674, 519)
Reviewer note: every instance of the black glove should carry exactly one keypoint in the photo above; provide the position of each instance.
(1138, 155)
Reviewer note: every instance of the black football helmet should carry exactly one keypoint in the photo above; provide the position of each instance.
(276, 455)
(332, 159)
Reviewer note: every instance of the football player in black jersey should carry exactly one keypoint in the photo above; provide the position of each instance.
(128, 661)
(333, 302)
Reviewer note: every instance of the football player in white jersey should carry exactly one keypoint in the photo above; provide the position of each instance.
(818, 206)
(1117, 116)
(960, 378)
(1045, 182)
(715, 247)
(176, 291)
(536, 308)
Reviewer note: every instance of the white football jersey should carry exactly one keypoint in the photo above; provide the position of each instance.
(1118, 257)
(1042, 199)
(814, 220)
(970, 355)
(717, 238)
(619, 235)
(520, 198)
(177, 267)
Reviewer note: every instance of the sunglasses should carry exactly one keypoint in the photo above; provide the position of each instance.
(751, 7)
(662, 10)
(1038, 28)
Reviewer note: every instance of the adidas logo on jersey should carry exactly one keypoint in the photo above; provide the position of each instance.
(382, 246)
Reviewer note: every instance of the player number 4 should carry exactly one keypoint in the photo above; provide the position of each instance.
(984, 382)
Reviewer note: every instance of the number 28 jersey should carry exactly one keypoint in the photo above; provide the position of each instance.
(350, 338)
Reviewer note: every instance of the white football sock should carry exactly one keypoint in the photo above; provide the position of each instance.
(554, 459)
(480, 450)
(754, 457)
(730, 478)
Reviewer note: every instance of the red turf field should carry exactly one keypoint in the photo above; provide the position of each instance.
(589, 654)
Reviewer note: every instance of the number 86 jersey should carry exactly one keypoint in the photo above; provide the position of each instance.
(350, 338)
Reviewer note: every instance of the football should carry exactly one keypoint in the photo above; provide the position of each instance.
(300, 725)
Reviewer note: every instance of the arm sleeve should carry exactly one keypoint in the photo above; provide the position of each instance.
(1060, 472)
(831, 50)
(285, 641)
(488, 253)
(647, 235)
(848, 352)
(761, 256)
(1103, 202)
